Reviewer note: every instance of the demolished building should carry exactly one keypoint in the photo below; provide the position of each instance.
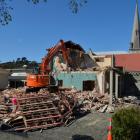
(84, 73)
(81, 75)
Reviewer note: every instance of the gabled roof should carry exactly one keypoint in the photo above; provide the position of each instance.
(72, 45)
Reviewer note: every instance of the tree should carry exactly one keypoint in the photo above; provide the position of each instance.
(19, 63)
(6, 17)
(24, 59)
(126, 124)
(18, 60)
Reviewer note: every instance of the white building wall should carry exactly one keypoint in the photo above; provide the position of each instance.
(101, 82)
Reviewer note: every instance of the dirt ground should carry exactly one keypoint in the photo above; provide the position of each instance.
(90, 127)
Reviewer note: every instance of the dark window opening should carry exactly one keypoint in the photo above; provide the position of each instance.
(88, 85)
(16, 84)
(60, 83)
(99, 59)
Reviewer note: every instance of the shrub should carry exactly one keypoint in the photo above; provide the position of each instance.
(126, 124)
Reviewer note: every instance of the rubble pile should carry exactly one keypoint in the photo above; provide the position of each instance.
(127, 101)
(93, 101)
(37, 110)
(42, 109)
(90, 100)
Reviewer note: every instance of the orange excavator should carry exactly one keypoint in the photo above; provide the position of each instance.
(42, 78)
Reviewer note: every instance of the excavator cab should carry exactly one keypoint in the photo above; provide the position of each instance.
(38, 80)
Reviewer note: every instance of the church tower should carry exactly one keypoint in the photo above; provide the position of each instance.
(135, 41)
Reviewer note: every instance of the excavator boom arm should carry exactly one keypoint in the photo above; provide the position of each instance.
(42, 79)
(44, 67)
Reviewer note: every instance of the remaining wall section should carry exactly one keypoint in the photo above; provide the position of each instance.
(3, 78)
(77, 79)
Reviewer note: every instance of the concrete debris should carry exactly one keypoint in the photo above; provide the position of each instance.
(137, 102)
(130, 99)
(126, 101)
(102, 110)
(110, 109)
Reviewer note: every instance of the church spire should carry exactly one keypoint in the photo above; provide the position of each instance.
(135, 41)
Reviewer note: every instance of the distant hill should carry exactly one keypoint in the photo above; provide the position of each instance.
(19, 63)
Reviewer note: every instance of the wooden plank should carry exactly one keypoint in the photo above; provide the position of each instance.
(39, 110)
(31, 104)
(44, 118)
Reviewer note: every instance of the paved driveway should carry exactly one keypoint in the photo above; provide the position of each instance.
(90, 127)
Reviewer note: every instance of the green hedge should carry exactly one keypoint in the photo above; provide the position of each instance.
(126, 124)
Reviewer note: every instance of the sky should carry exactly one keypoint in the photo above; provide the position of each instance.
(102, 25)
